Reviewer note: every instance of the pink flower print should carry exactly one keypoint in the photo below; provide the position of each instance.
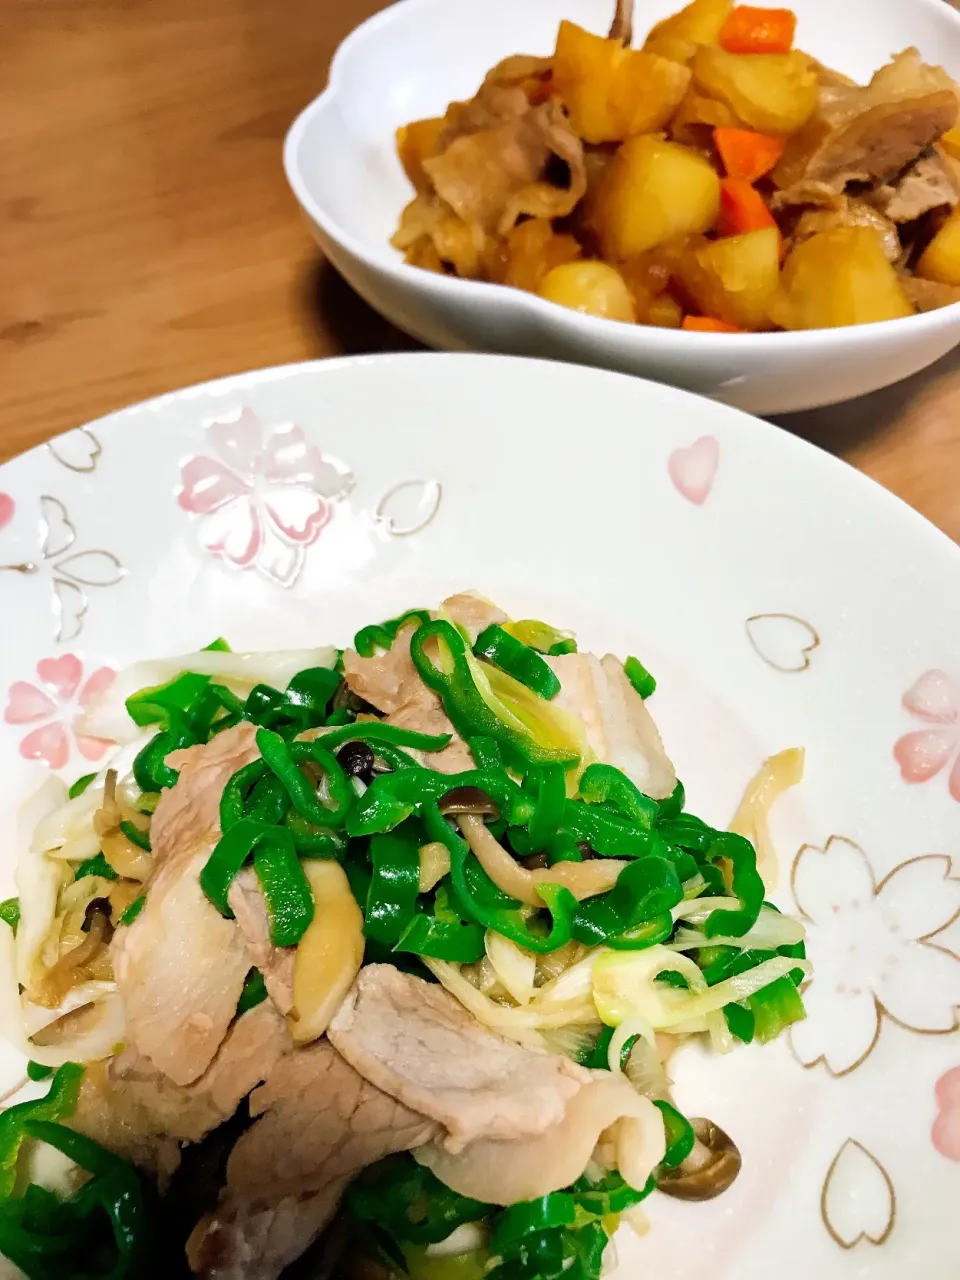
(921, 755)
(264, 497)
(946, 1127)
(7, 508)
(52, 704)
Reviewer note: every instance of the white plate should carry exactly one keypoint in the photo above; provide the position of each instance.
(781, 599)
(412, 59)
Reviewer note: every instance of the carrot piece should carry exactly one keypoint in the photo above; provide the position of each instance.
(749, 30)
(745, 153)
(708, 324)
(742, 209)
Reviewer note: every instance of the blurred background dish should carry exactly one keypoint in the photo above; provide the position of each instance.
(422, 54)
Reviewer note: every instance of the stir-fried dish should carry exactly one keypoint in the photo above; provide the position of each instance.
(376, 959)
(718, 179)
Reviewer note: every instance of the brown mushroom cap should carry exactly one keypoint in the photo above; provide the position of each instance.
(709, 1170)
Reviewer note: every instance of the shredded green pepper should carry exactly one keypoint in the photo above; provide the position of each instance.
(639, 677)
(679, 1134)
(254, 992)
(517, 659)
(58, 1104)
(134, 909)
(96, 866)
(382, 635)
(37, 1071)
(135, 835)
(282, 879)
(394, 886)
(10, 912)
(645, 892)
(80, 786)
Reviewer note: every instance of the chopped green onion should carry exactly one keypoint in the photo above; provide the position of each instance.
(639, 677)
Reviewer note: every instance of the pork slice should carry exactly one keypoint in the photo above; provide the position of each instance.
(620, 730)
(137, 1112)
(871, 134)
(928, 295)
(390, 682)
(180, 965)
(925, 185)
(472, 612)
(416, 1042)
(318, 1125)
(247, 903)
(188, 815)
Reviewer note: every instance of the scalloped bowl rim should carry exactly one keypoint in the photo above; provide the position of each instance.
(483, 293)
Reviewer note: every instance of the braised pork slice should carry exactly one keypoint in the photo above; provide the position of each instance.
(620, 729)
(928, 295)
(389, 682)
(135, 1111)
(180, 965)
(417, 1043)
(925, 185)
(319, 1124)
(871, 134)
(847, 212)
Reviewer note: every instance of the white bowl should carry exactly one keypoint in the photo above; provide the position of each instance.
(411, 60)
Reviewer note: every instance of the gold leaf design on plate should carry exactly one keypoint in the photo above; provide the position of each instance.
(409, 506)
(858, 1201)
(782, 640)
(873, 948)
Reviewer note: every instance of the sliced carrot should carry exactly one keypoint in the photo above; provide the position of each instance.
(749, 30)
(746, 154)
(708, 324)
(742, 209)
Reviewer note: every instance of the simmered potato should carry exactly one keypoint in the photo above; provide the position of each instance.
(941, 258)
(736, 278)
(770, 92)
(594, 288)
(610, 92)
(664, 313)
(677, 37)
(837, 278)
(654, 191)
(416, 142)
(697, 117)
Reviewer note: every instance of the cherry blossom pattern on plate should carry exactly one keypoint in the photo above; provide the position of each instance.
(782, 640)
(857, 1200)
(408, 507)
(7, 508)
(873, 953)
(51, 705)
(946, 1126)
(70, 572)
(693, 469)
(77, 450)
(262, 495)
(924, 753)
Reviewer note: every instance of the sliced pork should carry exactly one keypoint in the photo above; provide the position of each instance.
(416, 1042)
(319, 1124)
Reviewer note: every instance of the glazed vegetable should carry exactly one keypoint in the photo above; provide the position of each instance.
(839, 278)
(751, 30)
(746, 154)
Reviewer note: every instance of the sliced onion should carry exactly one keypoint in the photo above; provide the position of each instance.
(752, 818)
(627, 1030)
(515, 968)
(38, 880)
(583, 879)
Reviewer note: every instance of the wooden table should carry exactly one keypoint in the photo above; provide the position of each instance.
(148, 239)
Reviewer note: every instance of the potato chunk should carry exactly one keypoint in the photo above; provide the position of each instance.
(610, 92)
(836, 278)
(677, 37)
(593, 288)
(941, 258)
(735, 279)
(771, 92)
(654, 191)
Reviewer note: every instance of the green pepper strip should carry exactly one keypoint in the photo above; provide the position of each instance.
(58, 1104)
(392, 797)
(314, 842)
(457, 943)
(135, 835)
(95, 866)
(134, 909)
(167, 704)
(612, 1194)
(639, 677)
(461, 697)
(645, 891)
(603, 784)
(746, 883)
(286, 889)
(254, 992)
(644, 935)
(410, 1202)
(150, 770)
(607, 833)
(37, 1071)
(370, 731)
(484, 903)
(382, 635)
(672, 806)
(530, 1217)
(517, 659)
(551, 802)
(679, 1134)
(115, 1188)
(284, 760)
(394, 886)
(80, 786)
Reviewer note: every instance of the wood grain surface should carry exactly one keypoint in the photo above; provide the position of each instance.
(148, 239)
